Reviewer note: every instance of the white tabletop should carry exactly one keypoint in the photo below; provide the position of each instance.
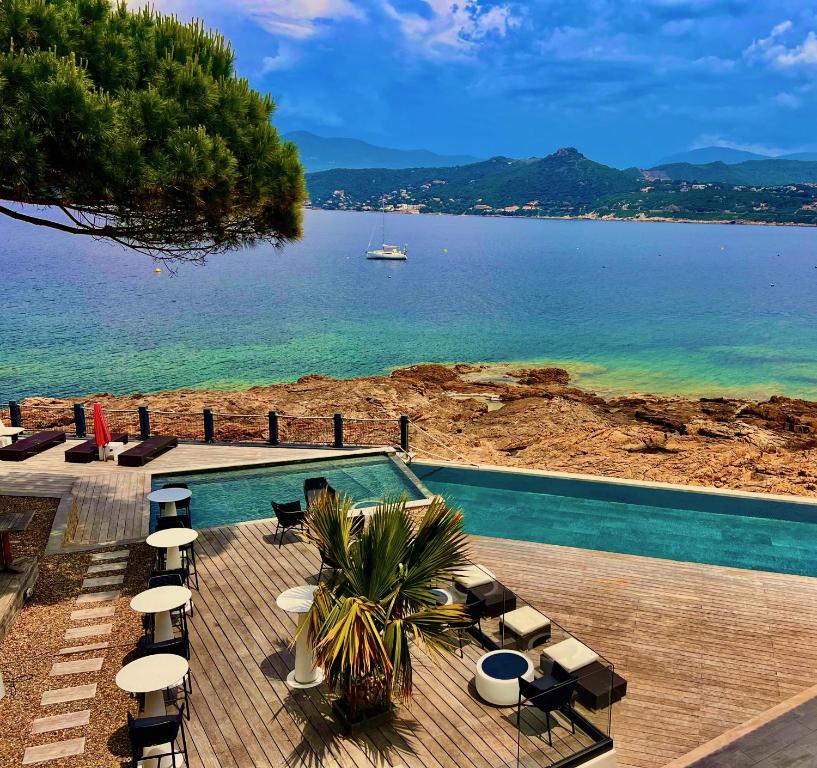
(10, 431)
(164, 495)
(161, 599)
(297, 599)
(172, 537)
(152, 673)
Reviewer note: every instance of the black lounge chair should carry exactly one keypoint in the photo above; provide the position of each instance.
(86, 452)
(147, 450)
(177, 646)
(287, 516)
(547, 698)
(161, 731)
(30, 446)
(314, 487)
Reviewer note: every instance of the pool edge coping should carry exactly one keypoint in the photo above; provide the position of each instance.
(622, 481)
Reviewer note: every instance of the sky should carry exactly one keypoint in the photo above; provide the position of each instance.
(627, 83)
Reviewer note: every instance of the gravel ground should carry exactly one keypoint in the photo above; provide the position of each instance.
(30, 649)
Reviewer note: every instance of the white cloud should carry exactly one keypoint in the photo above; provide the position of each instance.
(805, 53)
(452, 28)
(299, 19)
(788, 100)
(286, 57)
(774, 51)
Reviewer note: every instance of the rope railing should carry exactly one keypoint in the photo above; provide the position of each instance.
(216, 426)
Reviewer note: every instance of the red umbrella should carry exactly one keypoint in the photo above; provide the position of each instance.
(101, 432)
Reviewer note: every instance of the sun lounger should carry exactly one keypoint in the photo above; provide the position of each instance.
(147, 450)
(86, 452)
(29, 446)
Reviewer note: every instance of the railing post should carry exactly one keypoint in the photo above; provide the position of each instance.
(14, 414)
(338, 421)
(79, 419)
(209, 426)
(273, 427)
(144, 422)
(404, 433)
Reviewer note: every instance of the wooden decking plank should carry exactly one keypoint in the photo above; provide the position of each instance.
(258, 590)
(233, 617)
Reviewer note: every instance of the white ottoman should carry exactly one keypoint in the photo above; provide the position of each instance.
(497, 676)
(570, 654)
(527, 625)
(472, 576)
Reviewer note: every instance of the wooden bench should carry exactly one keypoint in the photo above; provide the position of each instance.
(147, 450)
(30, 446)
(86, 452)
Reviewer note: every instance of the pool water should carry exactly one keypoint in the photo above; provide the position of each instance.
(760, 534)
(231, 496)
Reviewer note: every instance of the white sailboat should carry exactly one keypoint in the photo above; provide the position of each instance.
(386, 251)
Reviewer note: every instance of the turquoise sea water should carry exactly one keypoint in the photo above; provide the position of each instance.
(222, 498)
(676, 525)
(627, 306)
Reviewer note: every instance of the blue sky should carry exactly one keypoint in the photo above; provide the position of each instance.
(625, 82)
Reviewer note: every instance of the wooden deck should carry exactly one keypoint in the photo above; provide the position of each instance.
(105, 503)
(245, 716)
(703, 649)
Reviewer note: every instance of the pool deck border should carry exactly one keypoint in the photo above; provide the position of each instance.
(622, 481)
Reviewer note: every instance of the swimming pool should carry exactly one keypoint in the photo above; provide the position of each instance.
(236, 495)
(743, 531)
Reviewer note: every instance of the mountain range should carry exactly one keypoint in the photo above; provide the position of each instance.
(320, 153)
(565, 183)
(729, 156)
(762, 173)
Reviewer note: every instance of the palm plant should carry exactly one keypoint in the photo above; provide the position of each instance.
(379, 599)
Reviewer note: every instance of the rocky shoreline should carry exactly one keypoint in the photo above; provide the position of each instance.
(535, 418)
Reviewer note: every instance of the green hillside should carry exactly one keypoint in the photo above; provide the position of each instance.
(760, 173)
(565, 182)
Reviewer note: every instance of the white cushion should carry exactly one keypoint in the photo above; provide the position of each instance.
(570, 654)
(473, 576)
(4, 441)
(525, 621)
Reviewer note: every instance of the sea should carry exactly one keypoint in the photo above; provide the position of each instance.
(624, 306)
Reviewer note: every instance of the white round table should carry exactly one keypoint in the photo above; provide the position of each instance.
(161, 601)
(299, 600)
(497, 676)
(171, 539)
(151, 675)
(169, 497)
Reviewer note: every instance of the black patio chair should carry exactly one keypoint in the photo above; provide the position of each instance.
(556, 698)
(177, 577)
(314, 487)
(288, 515)
(188, 551)
(185, 505)
(474, 611)
(178, 646)
(145, 732)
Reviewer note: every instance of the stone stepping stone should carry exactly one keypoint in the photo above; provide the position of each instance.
(59, 722)
(103, 581)
(54, 751)
(102, 556)
(93, 629)
(82, 648)
(75, 667)
(102, 567)
(93, 613)
(73, 693)
(98, 597)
